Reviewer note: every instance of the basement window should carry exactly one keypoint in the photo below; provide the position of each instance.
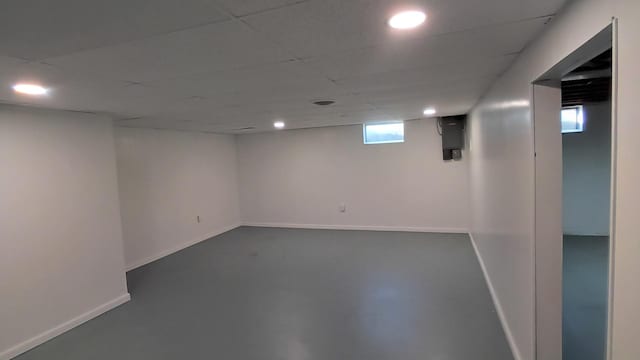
(384, 133)
(572, 119)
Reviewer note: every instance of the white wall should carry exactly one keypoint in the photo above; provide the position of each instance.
(502, 172)
(300, 177)
(167, 179)
(61, 259)
(586, 161)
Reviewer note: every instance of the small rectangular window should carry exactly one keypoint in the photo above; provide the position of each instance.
(384, 133)
(572, 119)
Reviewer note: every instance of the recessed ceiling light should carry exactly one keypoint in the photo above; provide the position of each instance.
(407, 19)
(429, 111)
(278, 124)
(30, 89)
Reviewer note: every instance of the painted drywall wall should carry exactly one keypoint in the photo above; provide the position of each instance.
(167, 180)
(586, 175)
(301, 177)
(502, 173)
(61, 259)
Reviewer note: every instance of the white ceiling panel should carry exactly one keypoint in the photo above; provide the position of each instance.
(127, 100)
(223, 65)
(7, 64)
(330, 26)
(38, 29)
(221, 46)
(231, 125)
(490, 41)
(460, 71)
(349, 117)
(427, 94)
(447, 100)
(269, 80)
(269, 112)
(259, 114)
(533, 8)
(248, 7)
(154, 123)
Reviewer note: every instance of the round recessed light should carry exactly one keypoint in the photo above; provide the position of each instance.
(30, 89)
(407, 19)
(429, 111)
(278, 124)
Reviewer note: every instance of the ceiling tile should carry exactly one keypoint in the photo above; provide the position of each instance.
(458, 72)
(331, 26)
(433, 51)
(8, 63)
(533, 8)
(38, 29)
(254, 85)
(221, 46)
(153, 123)
(185, 65)
(247, 7)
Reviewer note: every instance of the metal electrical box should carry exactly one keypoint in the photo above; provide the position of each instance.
(452, 136)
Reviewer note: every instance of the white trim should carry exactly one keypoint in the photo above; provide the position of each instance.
(359, 227)
(534, 264)
(496, 301)
(614, 187)
(161, 254)
(62, 328)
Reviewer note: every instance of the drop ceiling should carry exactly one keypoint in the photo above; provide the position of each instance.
(224, 65)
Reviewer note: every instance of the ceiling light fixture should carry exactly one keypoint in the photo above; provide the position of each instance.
(278, 124)
(429, 111)
(407, 19)
(30, 89)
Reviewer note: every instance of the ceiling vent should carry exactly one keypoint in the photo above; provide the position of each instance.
(324, 102)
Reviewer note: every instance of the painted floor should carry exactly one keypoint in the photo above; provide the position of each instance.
(279, 294)
(586, 261)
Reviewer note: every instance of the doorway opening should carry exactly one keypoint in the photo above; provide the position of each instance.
(574, 137)
(586, 189)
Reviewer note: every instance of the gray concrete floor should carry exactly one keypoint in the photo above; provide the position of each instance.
(280, 294)
(585, 294)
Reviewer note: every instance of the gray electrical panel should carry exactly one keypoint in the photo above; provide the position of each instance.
(452, 130)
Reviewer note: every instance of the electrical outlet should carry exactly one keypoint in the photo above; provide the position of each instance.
(342, 207)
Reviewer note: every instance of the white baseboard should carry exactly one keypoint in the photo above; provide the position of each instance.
(359, 227)
(160, 255)
(62, 328)
(496, 301)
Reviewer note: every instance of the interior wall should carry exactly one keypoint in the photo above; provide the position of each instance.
(502, 173)
(167, 180)
(61, 259)
(586, 162)
(301, 177)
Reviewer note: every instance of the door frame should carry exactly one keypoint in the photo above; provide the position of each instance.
(544, 316)
(548, 247)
